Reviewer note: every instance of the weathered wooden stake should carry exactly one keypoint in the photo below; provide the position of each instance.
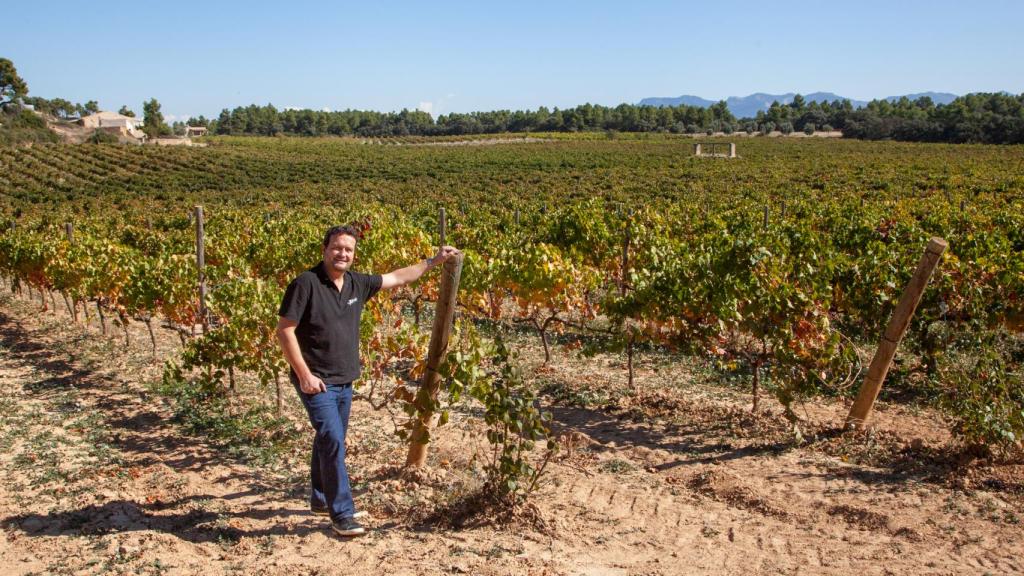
(152, 336)
(277, 394)
(442, 226)
(764, 223)
(103, 319)
(124, 327)
(622, 290)
(201, 265)
(445, 314)
(894, 334)
(69, 231)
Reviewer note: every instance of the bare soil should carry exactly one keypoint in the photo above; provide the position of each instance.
(96, 478)
(69, 132)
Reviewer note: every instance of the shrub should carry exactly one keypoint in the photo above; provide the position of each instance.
(101, 137)
(983, 395)
(827, 128)
(786, 128)
(809, 129)
(19, 126)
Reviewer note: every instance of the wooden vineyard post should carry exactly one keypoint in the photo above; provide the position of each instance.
(622, 291)
(69, 230)
(200, 265)
(442, 226)
(625, 262)
(277, 394)
(894, 334)
(443, 317)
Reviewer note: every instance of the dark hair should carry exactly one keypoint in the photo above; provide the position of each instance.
(345, 229)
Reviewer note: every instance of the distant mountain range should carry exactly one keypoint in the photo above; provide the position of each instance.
(747, 106)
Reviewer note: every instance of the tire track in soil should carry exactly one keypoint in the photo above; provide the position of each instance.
(735, 523)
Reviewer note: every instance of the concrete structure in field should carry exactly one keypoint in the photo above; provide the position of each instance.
(115, 123)
(195, 131)
(715, 149)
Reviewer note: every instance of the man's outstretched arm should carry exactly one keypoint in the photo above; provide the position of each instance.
(410, 274)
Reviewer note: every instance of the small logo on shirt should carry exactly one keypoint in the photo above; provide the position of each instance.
(353, 301)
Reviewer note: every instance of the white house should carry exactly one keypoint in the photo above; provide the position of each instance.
(114, 123)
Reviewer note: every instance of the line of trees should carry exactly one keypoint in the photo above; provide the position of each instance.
(800, 116)
(61, 108)
(987, 118)
(994, 118)
(269, 121)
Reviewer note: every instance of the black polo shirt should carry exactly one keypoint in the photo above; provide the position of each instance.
(328, 320)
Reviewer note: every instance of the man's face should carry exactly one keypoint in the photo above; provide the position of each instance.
(339, 254)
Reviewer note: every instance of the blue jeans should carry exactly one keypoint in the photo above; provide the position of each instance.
(328, 413)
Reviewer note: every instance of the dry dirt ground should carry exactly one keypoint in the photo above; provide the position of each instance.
(96, 478)
(69, 132)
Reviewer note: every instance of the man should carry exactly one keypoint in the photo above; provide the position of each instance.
(318, 331)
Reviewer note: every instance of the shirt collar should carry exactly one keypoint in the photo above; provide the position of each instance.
(321, 273)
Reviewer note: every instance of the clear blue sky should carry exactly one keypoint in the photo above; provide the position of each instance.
(199, 57)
